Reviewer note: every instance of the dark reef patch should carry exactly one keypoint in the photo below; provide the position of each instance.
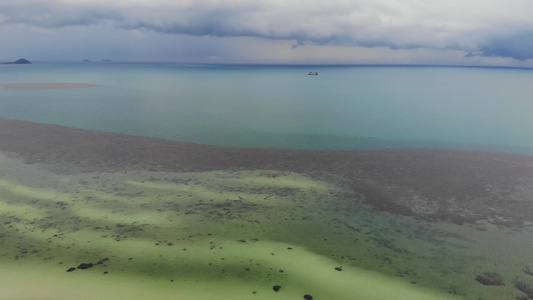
(103, 260)
(434, 185)
(490, 278)
(525, 287)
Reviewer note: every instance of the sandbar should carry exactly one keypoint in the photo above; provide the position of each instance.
(44, 86)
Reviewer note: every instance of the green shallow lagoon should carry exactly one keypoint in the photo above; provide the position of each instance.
(234, 235)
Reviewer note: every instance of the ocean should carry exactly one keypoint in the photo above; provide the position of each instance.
(344, 108)
(89, 215)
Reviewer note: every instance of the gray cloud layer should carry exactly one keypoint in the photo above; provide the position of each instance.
(485, 28)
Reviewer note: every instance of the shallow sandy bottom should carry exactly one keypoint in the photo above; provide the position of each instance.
(44, 86)
(227, 233)
(189, 235)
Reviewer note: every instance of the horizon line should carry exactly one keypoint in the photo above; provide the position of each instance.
(108, 61)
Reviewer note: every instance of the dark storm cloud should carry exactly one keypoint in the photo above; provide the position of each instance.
(49, 15)
(518, 46)
(485, 28)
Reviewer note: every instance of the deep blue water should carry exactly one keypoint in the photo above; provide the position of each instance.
(344, 108)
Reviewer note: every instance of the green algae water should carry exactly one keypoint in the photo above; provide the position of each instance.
(234, 235)
(262, 233)
(344, 108)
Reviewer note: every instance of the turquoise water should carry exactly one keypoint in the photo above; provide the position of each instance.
(344, 108)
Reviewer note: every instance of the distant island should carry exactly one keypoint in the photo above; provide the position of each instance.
(21, 61)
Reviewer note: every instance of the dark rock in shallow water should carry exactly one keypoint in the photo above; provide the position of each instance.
(85, 266)
(103, 260)
(308, 297)
(338, 269)
(525, 287)
(276, 288)
(71, 269)
(490, 278)
(528, 271)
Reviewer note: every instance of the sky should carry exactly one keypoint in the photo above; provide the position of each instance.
(451, 32)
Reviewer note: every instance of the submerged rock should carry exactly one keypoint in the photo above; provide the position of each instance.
(308, 297)
(103, 260)
(490, 278)
(84, 266)
(276, 288)
(525, 287)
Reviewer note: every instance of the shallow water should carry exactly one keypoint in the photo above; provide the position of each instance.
(485, 109)
(234, 235)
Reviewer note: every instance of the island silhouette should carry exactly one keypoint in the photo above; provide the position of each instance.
(21, 61)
